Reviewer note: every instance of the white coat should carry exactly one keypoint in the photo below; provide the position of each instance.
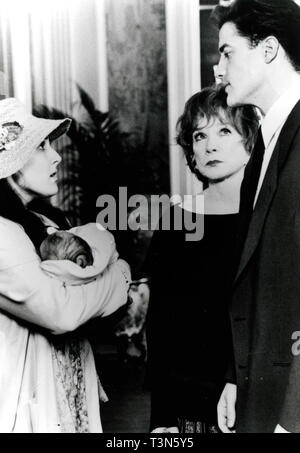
(28, 402)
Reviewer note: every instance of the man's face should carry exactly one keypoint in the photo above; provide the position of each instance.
(241, 67)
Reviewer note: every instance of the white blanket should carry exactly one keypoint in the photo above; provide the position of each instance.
(104, 252)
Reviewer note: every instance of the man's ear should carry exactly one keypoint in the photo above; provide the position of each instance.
(270, 48)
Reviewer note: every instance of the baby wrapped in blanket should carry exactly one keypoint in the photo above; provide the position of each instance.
(79, 255)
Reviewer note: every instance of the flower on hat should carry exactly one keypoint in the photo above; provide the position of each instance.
(9, 132)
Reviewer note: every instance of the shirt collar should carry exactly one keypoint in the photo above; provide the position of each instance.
(279, 112)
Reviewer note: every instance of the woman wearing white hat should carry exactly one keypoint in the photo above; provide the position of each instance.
(48, 381)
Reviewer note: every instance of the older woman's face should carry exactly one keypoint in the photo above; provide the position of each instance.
(39, 175)
(219, 149)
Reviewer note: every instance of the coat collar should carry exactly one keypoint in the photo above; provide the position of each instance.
(269, 187)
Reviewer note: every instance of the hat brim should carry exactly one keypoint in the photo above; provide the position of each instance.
(35, 131)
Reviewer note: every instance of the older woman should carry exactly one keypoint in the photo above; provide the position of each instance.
(188, 328)
(48, 381)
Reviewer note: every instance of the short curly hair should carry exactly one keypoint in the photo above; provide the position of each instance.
(210, 103)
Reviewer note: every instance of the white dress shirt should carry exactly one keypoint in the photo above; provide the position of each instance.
(272, 124)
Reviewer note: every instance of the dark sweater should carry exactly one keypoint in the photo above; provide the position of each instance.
(188, 332)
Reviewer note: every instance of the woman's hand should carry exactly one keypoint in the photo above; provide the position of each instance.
(171, 429)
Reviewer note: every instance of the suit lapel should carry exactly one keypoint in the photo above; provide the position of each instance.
(269, 187)
(259, 214)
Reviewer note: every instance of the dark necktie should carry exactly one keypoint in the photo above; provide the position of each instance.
(248, 192)
(251, 183)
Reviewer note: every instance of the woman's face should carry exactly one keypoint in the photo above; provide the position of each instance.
(219, 149)
(39, 177)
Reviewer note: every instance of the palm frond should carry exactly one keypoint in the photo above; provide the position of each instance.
(86, 100)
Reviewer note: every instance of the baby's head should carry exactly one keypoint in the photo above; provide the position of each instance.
(63, 245)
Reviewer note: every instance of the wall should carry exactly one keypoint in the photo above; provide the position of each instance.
(137, 78)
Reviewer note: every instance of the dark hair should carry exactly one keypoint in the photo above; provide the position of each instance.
(209, 103)
(12, 208)
(258, 19)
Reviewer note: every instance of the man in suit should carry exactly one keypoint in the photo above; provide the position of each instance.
(259, 43)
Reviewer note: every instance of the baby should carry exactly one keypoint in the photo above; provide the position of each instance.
(63, 245)
(80, 255)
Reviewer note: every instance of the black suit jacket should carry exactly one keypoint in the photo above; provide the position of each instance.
(265, 309)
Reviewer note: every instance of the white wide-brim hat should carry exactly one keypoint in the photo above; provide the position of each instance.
(21, 133)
